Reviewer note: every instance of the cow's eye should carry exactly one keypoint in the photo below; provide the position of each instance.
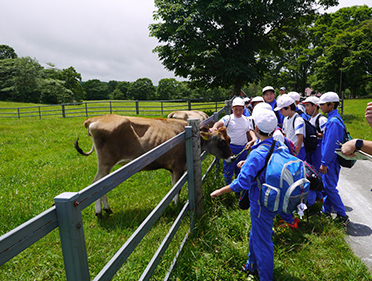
(222, 143)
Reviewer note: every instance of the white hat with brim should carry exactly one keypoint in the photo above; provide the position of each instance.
(246, 100)
(265, 121)
(284, 101)
(312, 99)
(294, 95)
(260, 107)
(257, 99)
(268, 88)
(238, 102)
(328, 97)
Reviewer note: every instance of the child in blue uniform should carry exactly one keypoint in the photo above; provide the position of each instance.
(261, 249)
(330, 168)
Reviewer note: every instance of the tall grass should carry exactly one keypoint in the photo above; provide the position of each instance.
(39, 162)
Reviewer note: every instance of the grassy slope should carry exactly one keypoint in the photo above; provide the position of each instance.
(39, 162)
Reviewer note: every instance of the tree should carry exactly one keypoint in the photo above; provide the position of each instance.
(22, 78)
(111, 87)
(7, 52)
(141, 89)
(224, 43)
(72, 81)
(167, 89)
(121, 90)
(345, 39)
(53, 91)
(95, 90)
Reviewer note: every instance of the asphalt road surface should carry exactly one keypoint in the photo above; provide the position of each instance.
(355, 187)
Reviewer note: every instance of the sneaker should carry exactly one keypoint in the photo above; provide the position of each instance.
(342, 220)
(249, 272)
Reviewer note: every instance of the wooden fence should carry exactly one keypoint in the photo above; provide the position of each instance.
(66, 214)
(96, 108)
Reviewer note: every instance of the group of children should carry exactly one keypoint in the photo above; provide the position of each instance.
(278, 119)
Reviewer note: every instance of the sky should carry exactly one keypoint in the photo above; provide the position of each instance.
(105, 40)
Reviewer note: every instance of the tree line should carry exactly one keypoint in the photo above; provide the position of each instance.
(222, 47)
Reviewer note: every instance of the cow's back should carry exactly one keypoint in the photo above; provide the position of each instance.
(124, 138)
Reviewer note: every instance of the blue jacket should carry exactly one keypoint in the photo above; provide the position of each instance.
(253, 164)
(279, 116)
(334, 132)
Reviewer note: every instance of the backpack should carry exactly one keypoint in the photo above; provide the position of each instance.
(310, 137)
(285, 184)
(288, 143)
(314, 177)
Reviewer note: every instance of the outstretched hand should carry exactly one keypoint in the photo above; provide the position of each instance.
(369, 113)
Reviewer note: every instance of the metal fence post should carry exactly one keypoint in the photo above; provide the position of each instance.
(228, 109)
(63, 111)
(137, 107)
(189, 104)
(196, 151)
(86, 109)
(72, 236)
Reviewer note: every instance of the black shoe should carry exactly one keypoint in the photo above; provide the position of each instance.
(342, 220)
(248, 272)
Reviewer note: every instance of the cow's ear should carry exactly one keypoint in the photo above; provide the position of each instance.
(205, 135)
(223, 131)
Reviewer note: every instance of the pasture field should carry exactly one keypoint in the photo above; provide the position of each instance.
(38, 162)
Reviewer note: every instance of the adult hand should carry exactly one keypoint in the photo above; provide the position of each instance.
(348, 148)
(323, 169)
(369, 113)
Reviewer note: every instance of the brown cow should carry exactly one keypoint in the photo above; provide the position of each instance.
(120, 139)
(189, 114)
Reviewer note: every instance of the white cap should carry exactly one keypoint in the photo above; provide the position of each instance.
(284, 101)
(294, 95)
(246, 100)
(268, 88)
(328, 97)
(257, 99)
(312, 99)
(262, 106)
(238, 102)
(283, 89)
(266, 121)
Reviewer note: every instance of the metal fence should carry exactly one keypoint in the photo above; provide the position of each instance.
(66, 215)
(95, 108)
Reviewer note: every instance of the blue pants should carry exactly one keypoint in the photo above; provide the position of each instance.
(302, 153)
(230, 169)
(315, 157)
(333, 198)
(261, 248)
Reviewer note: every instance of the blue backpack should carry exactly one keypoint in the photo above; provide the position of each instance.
(286, 185)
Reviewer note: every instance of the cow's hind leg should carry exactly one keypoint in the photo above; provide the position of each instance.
(100, 174)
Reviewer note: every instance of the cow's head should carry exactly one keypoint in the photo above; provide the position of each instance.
(217, 143)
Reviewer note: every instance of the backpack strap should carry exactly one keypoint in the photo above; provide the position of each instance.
(228, 121)
(268, 156)
(317, 127)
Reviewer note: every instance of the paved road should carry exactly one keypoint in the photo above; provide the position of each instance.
(355, 186)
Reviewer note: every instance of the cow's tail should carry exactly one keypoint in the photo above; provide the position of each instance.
(80, 150)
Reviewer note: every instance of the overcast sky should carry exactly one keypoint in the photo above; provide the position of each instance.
(105, 40)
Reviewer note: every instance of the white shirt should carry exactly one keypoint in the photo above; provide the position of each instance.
(237, 128)
(322, 121)
(292, 130)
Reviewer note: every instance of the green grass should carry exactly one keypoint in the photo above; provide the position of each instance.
(39, 162)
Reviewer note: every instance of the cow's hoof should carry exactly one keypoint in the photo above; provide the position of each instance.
(99, 215)
(108, 211)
